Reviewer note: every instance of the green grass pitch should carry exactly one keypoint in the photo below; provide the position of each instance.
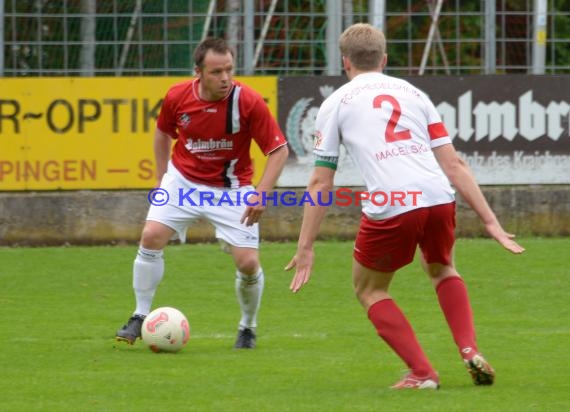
(60, 308)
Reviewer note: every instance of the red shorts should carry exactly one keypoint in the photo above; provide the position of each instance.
(389, 244)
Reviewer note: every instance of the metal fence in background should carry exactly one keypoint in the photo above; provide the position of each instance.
(285, 37)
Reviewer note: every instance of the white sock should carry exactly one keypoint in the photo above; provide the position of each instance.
(249, 290)
(148, 270)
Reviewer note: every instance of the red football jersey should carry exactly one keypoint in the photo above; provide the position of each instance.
(213, 138)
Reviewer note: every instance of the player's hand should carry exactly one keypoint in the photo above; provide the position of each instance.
(505, 239)
(303, 264)
(253, 213)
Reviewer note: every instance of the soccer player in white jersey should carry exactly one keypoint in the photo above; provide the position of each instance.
(400, 145)
(213, 120)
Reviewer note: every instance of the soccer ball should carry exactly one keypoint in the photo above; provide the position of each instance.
(165, 329)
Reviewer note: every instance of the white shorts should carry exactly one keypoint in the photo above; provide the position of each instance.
(187, 201)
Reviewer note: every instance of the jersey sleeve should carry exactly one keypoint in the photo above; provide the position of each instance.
(266, 131)
(166, 121)
(436, 130)
(327, 136)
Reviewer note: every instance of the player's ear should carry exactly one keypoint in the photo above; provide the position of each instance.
(345, 63)
(197, 71)
(384, 60)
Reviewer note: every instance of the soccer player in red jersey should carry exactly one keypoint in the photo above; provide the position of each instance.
(383, 122)
(212, 119)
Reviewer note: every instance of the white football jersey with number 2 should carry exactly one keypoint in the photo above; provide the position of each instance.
(389, 128)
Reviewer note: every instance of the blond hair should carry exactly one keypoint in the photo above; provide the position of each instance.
(364, 45)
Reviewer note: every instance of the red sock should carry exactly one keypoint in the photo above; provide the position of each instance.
(454, 302)
(394, 328)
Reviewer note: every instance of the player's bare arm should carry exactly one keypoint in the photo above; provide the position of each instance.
(275, 163)
(162, 143)
(462, 178)
(321, 182)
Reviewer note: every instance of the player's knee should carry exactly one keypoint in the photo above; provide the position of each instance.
(152, 239)
(248, 265)
(367, 297)
(358, 290)
(437, 271)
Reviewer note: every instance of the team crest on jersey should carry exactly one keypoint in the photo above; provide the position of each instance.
(184, 120)
(317, 139)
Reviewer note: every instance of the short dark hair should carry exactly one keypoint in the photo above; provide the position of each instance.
(215, 44)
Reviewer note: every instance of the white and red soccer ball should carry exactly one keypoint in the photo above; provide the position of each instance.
(165, 329)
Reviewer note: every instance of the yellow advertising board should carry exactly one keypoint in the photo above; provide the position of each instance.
(89, 133)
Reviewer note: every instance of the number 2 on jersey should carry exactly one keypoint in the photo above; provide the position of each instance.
(391, 134)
